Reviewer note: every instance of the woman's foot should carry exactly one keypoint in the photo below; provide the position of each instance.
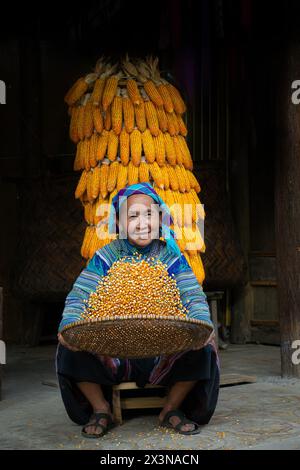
(100, 422)
(173, 418)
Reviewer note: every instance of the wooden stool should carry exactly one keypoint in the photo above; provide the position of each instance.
(133, 402)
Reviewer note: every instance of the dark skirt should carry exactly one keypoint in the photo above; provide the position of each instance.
(200, 366)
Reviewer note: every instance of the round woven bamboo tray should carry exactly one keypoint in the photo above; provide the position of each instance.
(137, 336)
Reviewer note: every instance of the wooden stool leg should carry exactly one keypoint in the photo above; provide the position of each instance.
(116, 402)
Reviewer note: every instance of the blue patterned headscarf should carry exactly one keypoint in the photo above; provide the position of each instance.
(165, 230)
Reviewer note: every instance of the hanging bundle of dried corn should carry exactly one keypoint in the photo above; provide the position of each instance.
(127, 122)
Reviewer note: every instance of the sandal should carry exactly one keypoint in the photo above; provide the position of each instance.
(94, 421)
(183, 420)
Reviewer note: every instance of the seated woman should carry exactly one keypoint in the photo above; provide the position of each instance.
(191, 377)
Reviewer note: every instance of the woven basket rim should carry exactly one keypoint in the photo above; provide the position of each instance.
(153, 318)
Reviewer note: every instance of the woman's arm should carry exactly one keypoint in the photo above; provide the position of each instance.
(191, 292)
(86, 283)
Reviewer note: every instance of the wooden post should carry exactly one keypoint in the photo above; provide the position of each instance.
(287, 208)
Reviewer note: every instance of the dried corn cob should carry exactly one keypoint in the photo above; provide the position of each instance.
(178, 151)
(133, 91)
(86, 242)
(199, 206)
(74, 124)
(104, 169)
(144, 172)
(97, 93)
(162, 118)
(151, 118)
(133, 173)
(156, 174)
(109, 91)
(178, 208)
(173, 178)
(136, 147)
(102, 145)
(87, 163)
(160, 151)
(93, 150)
(77, 162)
(148, 146)
(187, 158)
(193, 181)
(95, 183)
(128, 113)
(81, 186)
(116, 113)
(76, 91)
(165, 174)
(140, 116)
(112, 176)
(152, 92)
(165, 95)
(178, 102)
(88, 124)
(186, 178)
(181, 181)
(97, 119)
(124, 146)
(170, 149)
(89, 185)
(181, 124)
(107, 119)
(113, 143)
(122, 176)
(80, 122)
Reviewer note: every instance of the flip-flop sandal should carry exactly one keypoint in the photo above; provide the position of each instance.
(94, 421)
(183, 420)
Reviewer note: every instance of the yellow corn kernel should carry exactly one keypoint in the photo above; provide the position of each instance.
(133, 173)
(185, 177)
(177, 100)
(136, 147)
(144, 172)
(170, 149)
(86, 242)
(181, 181)
(102, 145)
(89, 185)
(87, 163)
(162, 118)
(113, 144)
(133, 91)
(112, 176)
(173, 126)
(81, 186)
(124, 146)
(104, 169)
(165, 174)
(160, 151)
(109, 91)
(77, 162)
(116, 114)
(178, 208)
(97, 119)
(97, 93)
(152, 92)
(76, 91)
(128, 114)
(165, 95)
(156, 174)
(151, 118)
(122, 176)
(148, 146)
(88, 215)
(140, 116)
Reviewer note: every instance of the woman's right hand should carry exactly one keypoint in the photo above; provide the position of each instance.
(65, 344)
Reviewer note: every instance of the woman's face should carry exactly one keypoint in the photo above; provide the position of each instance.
(140, 222)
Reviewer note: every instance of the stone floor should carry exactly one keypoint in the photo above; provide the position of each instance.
(264, 415)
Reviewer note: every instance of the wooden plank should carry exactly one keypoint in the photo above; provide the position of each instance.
(142, 402)
(235, 379)
(1, 334)
(132, 385)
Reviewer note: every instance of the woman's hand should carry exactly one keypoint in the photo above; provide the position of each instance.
(65, 344)
(211, 336)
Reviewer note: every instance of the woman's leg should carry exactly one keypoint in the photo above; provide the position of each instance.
(175, 396)
(94, 394)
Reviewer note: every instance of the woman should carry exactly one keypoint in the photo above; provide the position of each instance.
(192, 377)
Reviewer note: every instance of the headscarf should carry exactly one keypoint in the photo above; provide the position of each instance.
(165, 230)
